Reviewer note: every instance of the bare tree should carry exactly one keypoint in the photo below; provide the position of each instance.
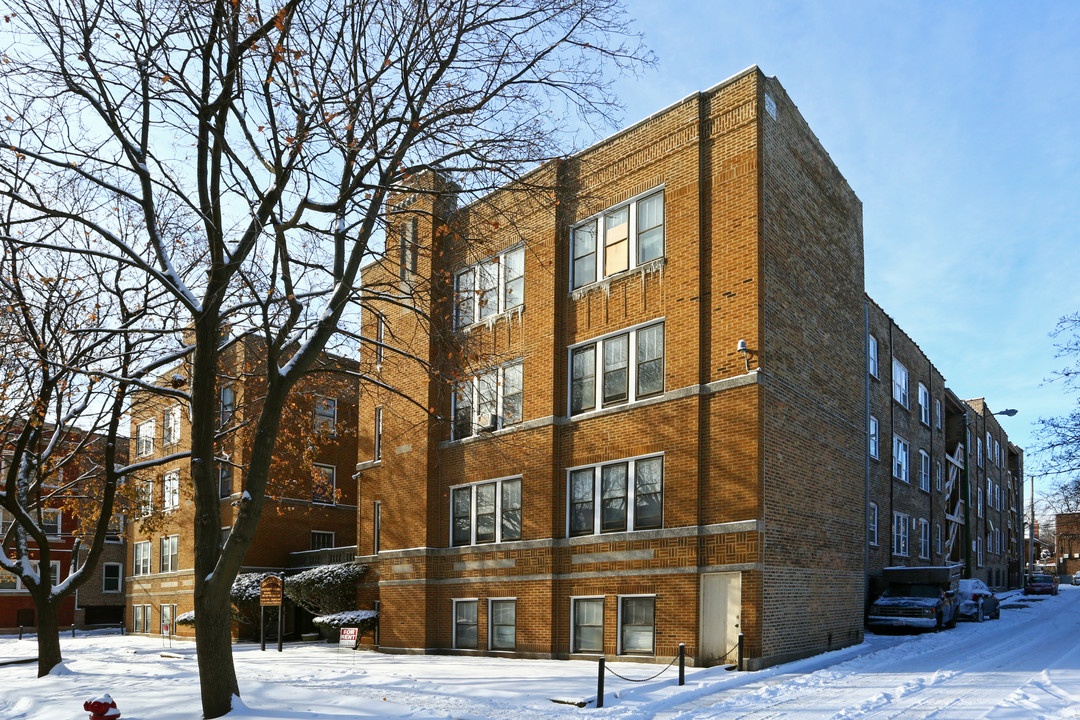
(1058, 438)
(255, 149)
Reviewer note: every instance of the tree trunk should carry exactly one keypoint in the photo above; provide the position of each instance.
(48, 637)
(213, 643)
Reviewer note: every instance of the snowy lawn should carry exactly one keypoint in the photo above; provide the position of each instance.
(1024, 666)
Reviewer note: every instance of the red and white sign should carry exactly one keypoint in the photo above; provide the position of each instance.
(349, 635)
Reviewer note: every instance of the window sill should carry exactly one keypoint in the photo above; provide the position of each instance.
(367, 465)
(490, 320)
(646, 268)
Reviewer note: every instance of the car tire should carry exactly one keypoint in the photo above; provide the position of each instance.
(997, 613)
(939, 624)
(955, 617)
(980, 612)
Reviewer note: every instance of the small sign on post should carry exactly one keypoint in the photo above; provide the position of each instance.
(349, 635)
(271, 593)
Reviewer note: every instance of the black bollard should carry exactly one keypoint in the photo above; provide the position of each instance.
(682, 663)
(600, 685)
(72, 629)
(740, 665)
(20, 632)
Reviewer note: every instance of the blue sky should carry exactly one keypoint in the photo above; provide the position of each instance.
(957, 126)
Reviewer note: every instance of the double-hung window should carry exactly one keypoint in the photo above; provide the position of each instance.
(225, 473)
(465, 624)
(616, 497)
(325, 415)
(872, 355)
(924, 471)
(924, 405)
(937, 413)
(490, 287)
(170, 485)
(226, 404)
(144, 438)
(146, 497)
(899, 382)
(321, 539)
(489, 401)
(169, 554)
(324, 484)
(901, 466)
(938, 541)
(587, 616)
(924, 538)
(875, 440)
(503, 624)
(629, 365)
(50, 521)
(871, 524)
(112, 577)
(901, 529)
(141, 564)
(170, 430)
(940, 485)
(618, 239)
(376, 452)
(486, 512)
(637, 625)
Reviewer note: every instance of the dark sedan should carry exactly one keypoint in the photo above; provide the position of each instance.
(977, 601)
(1041, 585)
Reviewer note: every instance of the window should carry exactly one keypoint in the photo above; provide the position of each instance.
(465, 624)
(989, 447)
(616, 497)
(924, 405)
(112, 577)
(407, 249)
(170, 485)
(871, 524)
(637, 629)
(489, 401)
(980, 502)
(503, 614)
(170, 429)
(901, 527)
(633, 234)
(6, 520)
(875, 441)
(325, 415)
(138, 621)
(223, 536)
(924, 471)
(114, 533)
(50, 521)
(169, 556)
(587, 616)
(323, 484)
(872, 355)
(142, 558)
(937, 413)
(227, 404)
(225, 472)
(979, 550)
(166, 619)
(899, 383)
(901, 449)
(321, 540)
(621, 380)
(8, 581)
(377, 450)
(146, 497)
(490, 287)
(376, 526)
(924, 538)
(380, 338)
(978, 456)
(144, 438)
(940, 486)
(486, 512)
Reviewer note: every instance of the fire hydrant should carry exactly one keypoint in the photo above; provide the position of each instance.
(101, 708)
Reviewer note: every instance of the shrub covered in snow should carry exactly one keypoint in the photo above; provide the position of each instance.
(325, 589)
(349, 618)
(187, 618)
(245, 597)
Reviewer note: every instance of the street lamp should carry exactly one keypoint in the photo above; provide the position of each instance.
(1009, 413)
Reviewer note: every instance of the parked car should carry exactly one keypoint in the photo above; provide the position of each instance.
(1041, 585)
(1076, 578)
(977, 601)
(916, 598)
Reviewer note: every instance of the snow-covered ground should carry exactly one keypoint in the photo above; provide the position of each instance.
(1024, 666)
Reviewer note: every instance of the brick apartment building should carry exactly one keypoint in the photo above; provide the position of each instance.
(945, 482)
(1067, 542)
(311, 505)
(661, 435)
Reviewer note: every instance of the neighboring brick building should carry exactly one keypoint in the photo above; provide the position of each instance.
(937, 494)
(618, 476)
(311, 501)
(1067, 542)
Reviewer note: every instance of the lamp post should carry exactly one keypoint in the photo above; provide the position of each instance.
(1031, 530)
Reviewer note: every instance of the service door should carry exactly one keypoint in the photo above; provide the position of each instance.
(721, 617)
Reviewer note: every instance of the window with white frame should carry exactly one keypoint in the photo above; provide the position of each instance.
(924, 471)
(167, 614)
(978, 457)
(489, 401)
(875, 439)
(170, 558)
(112, 577)
(6, 520)
(490, 287)
(899, 382)
(618, 239)
(901, 451)
(871, 524)
(465, 624)
(616, 496)
(503, 623)
(9, 582)
(225, 476)
(146, 497)
(50, 521)
(226, 404)
(924, 538)
(937, 531)
(587, 619)
(138, 620)
(376, 452)
(872, 355)
(629, 366)
(486, 512)
(325, 418)
(901, 530)
(170, 487)
(940, 482)
(170, 429)
(924, 405)
(321, 539)
(144, 438)
(937, 413)
(637, 624)
(980, 506)
(323, 484)
(141, 564)
(380, 338)
(979, 550)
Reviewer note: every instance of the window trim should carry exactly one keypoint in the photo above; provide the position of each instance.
(900, 380)
(105, 577)
(924, 471)
(145, 564)
(872, 356)
(491, 624)
(454, 622)
(597, 342)
(631, 494)
(901, 540)
(498, 512)
(171, 477)
(620, 648)
(875, 438)
(633, 249)
(924, 405)
(901, 459)
(174, 556)
(574, 599)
